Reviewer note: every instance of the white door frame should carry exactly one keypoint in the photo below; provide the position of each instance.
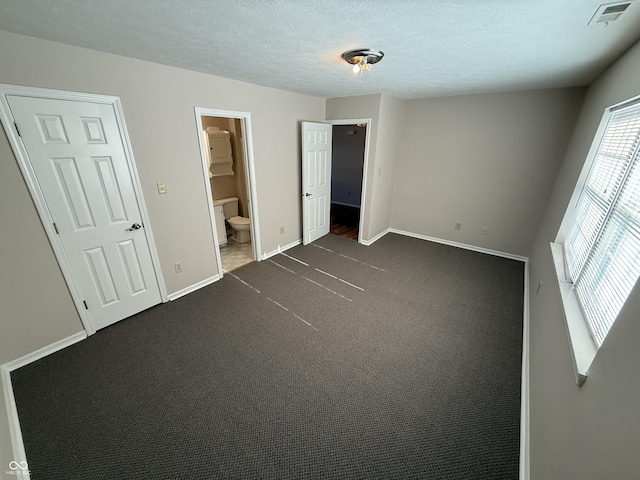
(363, 196)
(38, 197)
(249, 164)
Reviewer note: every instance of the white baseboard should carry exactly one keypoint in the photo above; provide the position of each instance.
(7, 368)
(44, 351)
(19, 454)
(460, 245)
(280, 249)
(376, 238)
(17, 444)
(524, 389)
(524, 393)
(194, 287)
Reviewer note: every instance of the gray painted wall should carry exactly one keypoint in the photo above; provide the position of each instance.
(36, 306)
(592, 432)
(389, 151)
(481, 160)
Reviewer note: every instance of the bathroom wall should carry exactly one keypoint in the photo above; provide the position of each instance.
(220, 122)
(240, 177)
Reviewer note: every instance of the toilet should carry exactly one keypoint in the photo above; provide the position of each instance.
(239, 225)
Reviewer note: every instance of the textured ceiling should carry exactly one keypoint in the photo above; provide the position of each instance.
(432, 47)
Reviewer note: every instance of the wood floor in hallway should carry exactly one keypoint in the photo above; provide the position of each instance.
(345, 221)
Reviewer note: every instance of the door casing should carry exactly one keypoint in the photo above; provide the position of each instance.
(249, 164)
(38, 197)
(364, 198)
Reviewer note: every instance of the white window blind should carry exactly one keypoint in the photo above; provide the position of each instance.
(602, 246)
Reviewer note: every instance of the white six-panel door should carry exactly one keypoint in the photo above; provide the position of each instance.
(316, 180)
(77, 155)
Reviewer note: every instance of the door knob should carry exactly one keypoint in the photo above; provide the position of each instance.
(307, 194)
(135, 226)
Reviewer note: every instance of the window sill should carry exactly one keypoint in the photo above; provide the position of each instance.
(583, 349)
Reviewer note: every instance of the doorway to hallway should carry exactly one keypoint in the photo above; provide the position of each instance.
(347, 173)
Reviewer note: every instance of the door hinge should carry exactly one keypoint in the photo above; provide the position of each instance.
(17, 128)
(56, 228)
(85, 305)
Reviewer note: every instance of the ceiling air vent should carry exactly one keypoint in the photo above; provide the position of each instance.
(608, 13)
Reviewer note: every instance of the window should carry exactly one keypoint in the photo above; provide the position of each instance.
(602, 242)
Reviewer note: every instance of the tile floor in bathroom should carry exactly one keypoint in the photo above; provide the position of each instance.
(235, 255)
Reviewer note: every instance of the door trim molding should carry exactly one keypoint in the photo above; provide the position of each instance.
(364, 197)
(19, 151)
(249, 163)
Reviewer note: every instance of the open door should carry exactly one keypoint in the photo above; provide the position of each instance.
(316, 180)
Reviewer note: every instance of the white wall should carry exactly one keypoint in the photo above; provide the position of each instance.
(36, 306)
(593, 432)
(481, 160)
(391, 136)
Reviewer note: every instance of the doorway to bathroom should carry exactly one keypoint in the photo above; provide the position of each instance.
(227, 159)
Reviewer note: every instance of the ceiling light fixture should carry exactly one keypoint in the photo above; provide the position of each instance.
(362, 59)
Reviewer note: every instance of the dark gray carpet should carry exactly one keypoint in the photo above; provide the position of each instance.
(416, 375)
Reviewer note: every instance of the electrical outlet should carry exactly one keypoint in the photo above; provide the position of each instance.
(282, 230)
(178, 267)
(485, 230)
(458, 226)
(162, 188)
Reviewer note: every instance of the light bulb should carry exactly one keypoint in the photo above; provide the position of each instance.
(356, 69)
(366, 66)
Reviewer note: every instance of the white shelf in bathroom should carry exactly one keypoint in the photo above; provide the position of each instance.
(219, 152)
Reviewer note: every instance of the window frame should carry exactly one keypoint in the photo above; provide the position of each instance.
(583, 346)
